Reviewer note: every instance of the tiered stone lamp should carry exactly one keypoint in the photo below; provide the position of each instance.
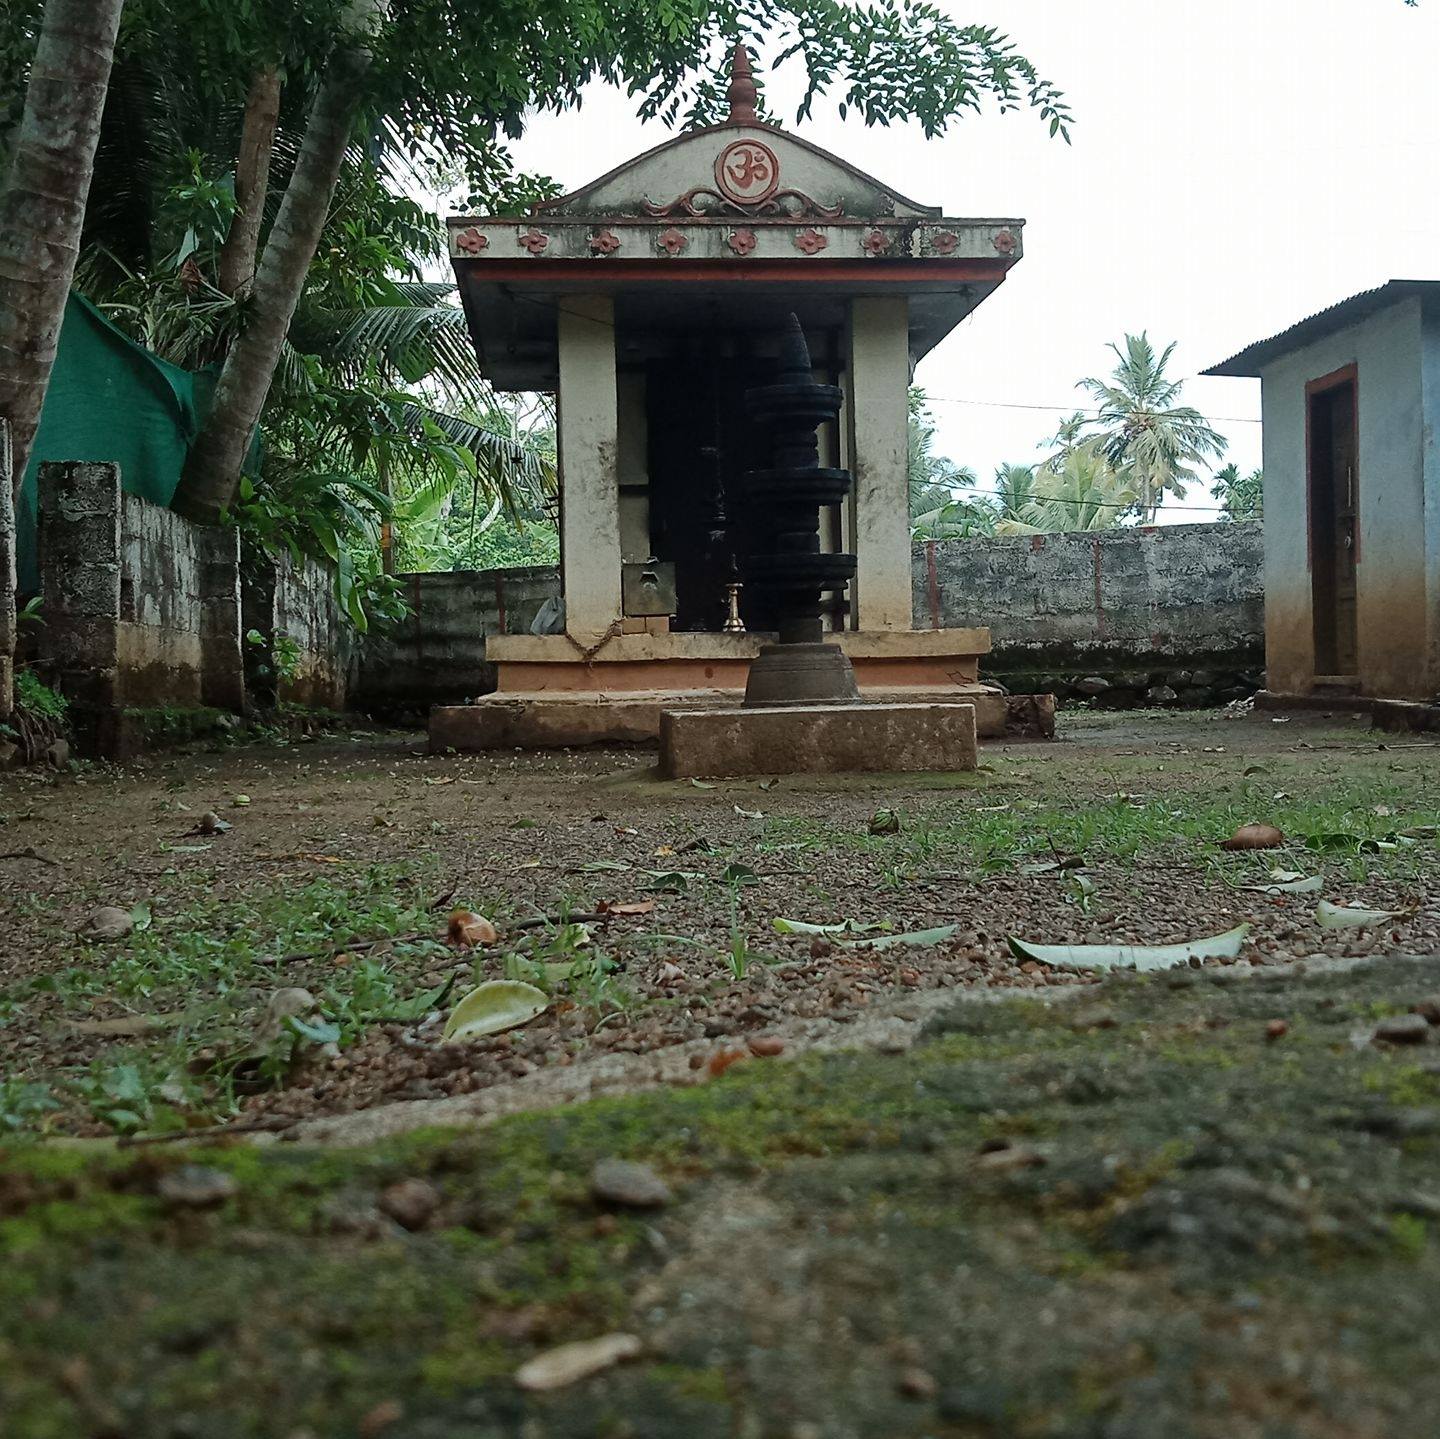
(652, 302)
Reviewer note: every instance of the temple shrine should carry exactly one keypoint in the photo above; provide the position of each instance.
(651, 302)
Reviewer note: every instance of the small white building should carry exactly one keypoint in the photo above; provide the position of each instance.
(1351, 403)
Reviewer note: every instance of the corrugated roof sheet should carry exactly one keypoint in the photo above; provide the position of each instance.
(1250, 361)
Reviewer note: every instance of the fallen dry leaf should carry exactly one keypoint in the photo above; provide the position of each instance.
(722, 1060)
(625, 906)
(1255, 836)
(572, 1362)
(467, 930)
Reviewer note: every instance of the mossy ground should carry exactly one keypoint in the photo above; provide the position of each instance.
(1229, 1235)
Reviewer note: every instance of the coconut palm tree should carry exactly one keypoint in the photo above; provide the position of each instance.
(1242, 497)
(208, 484)
(1142, 427)
(42, 206)
(1084, 492)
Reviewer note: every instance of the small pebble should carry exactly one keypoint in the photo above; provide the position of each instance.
(196, 1186)
(766, 1046)
(1402, 1029)
(1277, 1029)
(917, 1383)
(411, 1203)
(636, 1186)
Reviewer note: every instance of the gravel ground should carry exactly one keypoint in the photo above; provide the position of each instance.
(346, 855)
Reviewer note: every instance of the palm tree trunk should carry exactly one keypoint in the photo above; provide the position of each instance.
(42, 207)
(212, 472)
(252, 181)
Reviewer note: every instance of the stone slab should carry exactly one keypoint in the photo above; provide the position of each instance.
(546, 720)
(817, 739)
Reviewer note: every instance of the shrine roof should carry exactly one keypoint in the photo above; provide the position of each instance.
(741, 216)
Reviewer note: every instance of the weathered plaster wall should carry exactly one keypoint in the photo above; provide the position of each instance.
(314, 662)
(1162, 599)
(877, 417)
(143, 612)
(7, 579)
(436, 655)
(140, 606)
(1430, 443)
(1396, 613)
(308, 614)
(587, 412)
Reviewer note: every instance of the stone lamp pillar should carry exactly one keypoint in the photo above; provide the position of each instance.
(800, 669)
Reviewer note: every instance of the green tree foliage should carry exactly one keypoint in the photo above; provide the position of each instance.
(1242, 497)
(1079, 490)
(1143, 429)
(372, 414)
(944, 504)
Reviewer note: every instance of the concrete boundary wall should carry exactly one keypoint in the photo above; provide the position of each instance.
(436, 655)
(1122, 613)
(143, 612)
(1165, 607)
(8, 633)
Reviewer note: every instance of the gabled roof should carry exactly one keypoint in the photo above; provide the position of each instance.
(666, 179)
(1251, 361)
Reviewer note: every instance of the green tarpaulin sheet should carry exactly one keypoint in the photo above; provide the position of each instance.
(109, 399)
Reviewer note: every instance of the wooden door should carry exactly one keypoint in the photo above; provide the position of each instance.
(1334, 485)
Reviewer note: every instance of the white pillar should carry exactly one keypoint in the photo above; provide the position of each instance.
(879, 357)
(589, 473)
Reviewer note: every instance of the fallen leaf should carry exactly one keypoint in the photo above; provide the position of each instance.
(627, 906)
(467, 929)
(722, 1060)
(917, 938)
(572, 1362)
(664, 852)
(701, 784)
(1295, 885)
(676, 881)
(1255, 836)
(767, 784)
(748, 813)
(829, 931)
(1054, 866)
(490, 1007)
(1142, 957)
(738, 874)
(884, 821)
(1335, 916)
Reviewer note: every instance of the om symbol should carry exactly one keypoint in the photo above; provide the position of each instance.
(747, 172)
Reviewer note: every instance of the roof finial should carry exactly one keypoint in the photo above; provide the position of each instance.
(742, 93)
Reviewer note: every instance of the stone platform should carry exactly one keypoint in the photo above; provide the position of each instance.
(547, 720)
(817, 739)
(612, 663)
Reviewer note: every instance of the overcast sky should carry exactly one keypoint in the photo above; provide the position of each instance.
(1236, 165)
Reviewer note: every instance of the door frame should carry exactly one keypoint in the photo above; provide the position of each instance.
(1347, 376)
